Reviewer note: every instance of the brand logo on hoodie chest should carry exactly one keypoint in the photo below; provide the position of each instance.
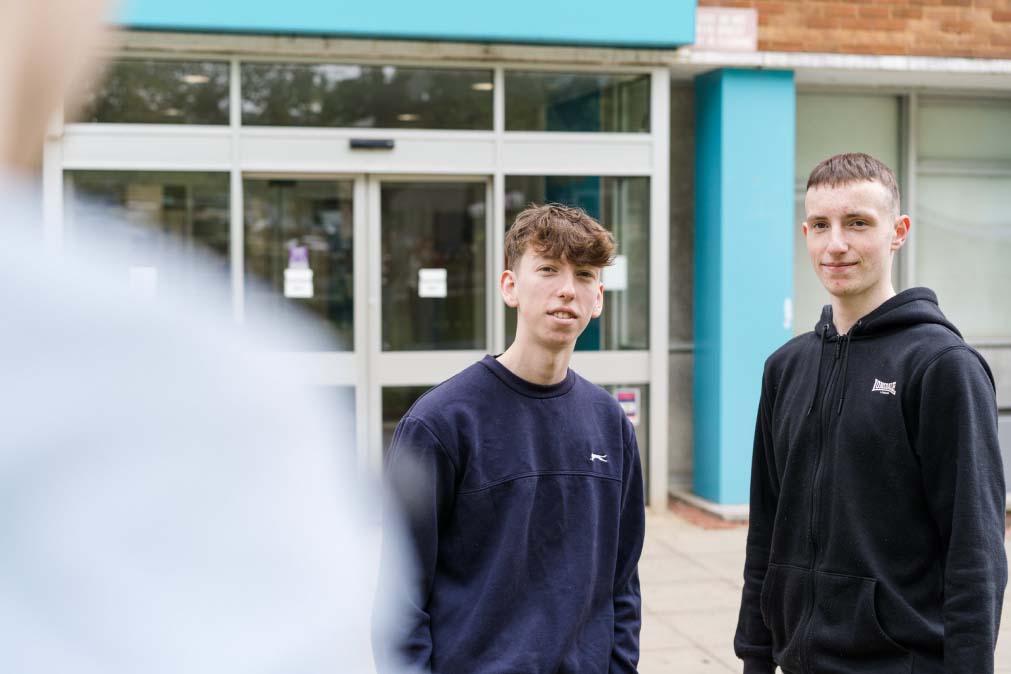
(883, 388)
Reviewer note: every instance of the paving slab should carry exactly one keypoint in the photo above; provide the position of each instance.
(691, 583)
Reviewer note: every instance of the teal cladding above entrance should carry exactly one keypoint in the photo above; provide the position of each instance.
(662, 24)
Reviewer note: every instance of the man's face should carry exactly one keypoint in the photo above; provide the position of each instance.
(851, 232)
(554, 299)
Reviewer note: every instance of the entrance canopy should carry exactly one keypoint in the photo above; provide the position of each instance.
(658, 24)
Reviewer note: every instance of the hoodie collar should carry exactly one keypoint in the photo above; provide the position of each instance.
(910, 307)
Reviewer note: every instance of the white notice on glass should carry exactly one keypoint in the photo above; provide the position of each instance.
(615, 277)
(298, 283)
(431, 283)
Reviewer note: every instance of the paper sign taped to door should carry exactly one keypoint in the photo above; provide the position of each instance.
(298, 275)
(298, 283)
(432, 282)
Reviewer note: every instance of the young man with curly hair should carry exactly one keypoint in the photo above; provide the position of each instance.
(522, 484)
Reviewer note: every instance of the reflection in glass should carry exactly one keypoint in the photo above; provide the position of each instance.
(156, 212)
(147, 91)
(542, 101)
(298, 226)
(304, 94)
(433, 266)
(622, 206)
(396, 401)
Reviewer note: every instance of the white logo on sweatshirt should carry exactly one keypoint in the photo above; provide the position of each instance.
(598, 457)
(883, 388)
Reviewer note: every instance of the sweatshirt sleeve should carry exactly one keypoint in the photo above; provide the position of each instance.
(421, 479)
(632, 526)
(963, 475)
(753, 641)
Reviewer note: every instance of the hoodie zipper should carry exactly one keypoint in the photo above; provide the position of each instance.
(813, 525)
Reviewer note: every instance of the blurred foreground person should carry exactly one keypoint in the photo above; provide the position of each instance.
(169, 501)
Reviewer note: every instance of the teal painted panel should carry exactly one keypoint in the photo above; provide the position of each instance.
(636, 23)
(748, 170)
(707, 291)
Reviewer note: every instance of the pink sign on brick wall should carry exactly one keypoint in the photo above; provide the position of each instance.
(726, 29)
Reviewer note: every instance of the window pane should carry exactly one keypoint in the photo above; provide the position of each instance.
(433, 266)
(680, 406)
(165, 212)
(577, 102)
(299, 244)
(396, 401)
(160, 92)
(622, 206)
(962, 247)
(829, 124)
(964, 129)
(682, 212)
(301, 94)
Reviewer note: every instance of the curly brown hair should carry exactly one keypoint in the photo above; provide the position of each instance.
(559, 232)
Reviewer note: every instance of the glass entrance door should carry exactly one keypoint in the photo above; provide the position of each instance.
(431, 255)
(395, 270)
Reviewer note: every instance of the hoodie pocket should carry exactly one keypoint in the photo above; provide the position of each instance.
(785, 593)
(846, 635)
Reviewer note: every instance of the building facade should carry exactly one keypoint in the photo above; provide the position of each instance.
(363, 166)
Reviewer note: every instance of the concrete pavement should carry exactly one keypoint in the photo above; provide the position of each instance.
(691, 580)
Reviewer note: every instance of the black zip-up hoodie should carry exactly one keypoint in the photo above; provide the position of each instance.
(877, 502)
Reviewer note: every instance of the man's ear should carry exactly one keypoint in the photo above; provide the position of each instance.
(902, 226)
(507, 286)
(598, 306)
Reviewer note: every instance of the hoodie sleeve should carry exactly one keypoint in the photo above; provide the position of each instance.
(632, 526)
(964, 483)
(753, 641)
(421, 481)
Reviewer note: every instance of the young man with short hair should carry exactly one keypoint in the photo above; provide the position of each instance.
(876, 540)
(523, 486)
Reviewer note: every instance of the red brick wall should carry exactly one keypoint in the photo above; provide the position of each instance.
(974, 28)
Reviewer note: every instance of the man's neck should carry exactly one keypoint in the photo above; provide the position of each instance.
(536, 364)
(846, 311)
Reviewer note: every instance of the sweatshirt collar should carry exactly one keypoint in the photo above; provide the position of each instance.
(526, 388)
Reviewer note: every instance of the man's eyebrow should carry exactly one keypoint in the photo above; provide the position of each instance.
(869, 215)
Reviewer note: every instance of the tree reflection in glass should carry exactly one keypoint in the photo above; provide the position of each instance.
(334, 95)
(148, 91)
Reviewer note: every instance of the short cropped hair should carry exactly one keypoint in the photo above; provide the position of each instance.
(559, 232)
(843, 169)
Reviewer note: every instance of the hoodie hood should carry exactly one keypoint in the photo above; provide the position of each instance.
(916, 306)
(910, 307)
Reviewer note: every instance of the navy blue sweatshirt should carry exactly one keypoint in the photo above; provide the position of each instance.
(525, 508)
(877, 502)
